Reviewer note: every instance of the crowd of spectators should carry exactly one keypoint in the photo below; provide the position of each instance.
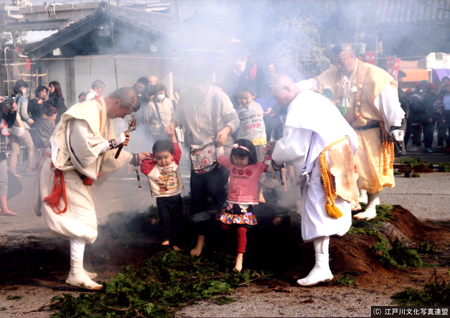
(427, 108)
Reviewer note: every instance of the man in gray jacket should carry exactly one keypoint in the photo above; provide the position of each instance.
(195, 112)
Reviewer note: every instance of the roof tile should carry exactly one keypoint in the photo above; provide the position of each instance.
(45, 25)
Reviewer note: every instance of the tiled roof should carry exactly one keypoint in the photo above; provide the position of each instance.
(161, 26)
(46, 25)
(419, 12)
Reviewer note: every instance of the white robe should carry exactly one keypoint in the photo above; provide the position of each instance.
(88, 157)
(313, 123)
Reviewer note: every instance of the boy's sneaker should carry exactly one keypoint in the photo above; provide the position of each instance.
(429, 150)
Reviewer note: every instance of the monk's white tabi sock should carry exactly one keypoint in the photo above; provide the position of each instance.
(77, 275)
(370, 212)
(321, 271)
(77, 245)
(362, 196)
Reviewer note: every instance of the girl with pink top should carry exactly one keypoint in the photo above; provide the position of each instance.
(242, 192)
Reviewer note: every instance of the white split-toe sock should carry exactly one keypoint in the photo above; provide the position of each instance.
(321, 272)
(371, 211)
(77, 277)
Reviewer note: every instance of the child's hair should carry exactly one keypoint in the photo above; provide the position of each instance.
(240, 152)
(246, 85)
(163, 145)
(148, 92)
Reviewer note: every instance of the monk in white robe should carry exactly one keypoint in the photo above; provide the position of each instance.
(82, 152)
(321, 146)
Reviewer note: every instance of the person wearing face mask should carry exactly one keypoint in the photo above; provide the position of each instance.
(20, 89)
(154, 115)
(162, 111)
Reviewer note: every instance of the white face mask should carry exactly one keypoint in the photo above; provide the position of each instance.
(24, 91)
(160, 97)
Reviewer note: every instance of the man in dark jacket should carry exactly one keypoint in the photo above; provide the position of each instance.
(415, 117)
(429, 120)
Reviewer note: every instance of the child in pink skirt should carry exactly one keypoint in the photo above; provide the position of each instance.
(242, 192)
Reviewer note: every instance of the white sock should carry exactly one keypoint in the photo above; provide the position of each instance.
(370, 212)
(321, 271)
(77, 245)
(372, 197)
(362, 196)
(77, 275)
(321, 245)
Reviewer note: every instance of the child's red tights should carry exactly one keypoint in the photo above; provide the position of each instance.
(241, 233)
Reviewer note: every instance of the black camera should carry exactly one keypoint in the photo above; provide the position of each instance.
(11, 100)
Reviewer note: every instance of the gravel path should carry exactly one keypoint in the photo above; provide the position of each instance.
(261, 301)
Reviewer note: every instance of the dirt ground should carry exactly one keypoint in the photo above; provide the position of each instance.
(35, 268)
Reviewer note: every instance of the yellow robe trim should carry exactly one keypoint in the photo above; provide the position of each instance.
(388, 150)
(330, 191)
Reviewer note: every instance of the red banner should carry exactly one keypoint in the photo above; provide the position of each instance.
(370, 57)
(392, 66)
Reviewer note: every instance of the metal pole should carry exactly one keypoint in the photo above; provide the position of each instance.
(113, 43)
(179, 22)
(376, 47)
(358, 15)
(6, 66)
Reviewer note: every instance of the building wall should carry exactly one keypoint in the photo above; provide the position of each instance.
(76, 75)
(435, 60)
(74, 12)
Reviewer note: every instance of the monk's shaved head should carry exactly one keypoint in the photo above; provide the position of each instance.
(152, 80)
(346, 48)
(127, 96)
(121, 102)
(344, 58)
(284, 90)
(282, 80)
